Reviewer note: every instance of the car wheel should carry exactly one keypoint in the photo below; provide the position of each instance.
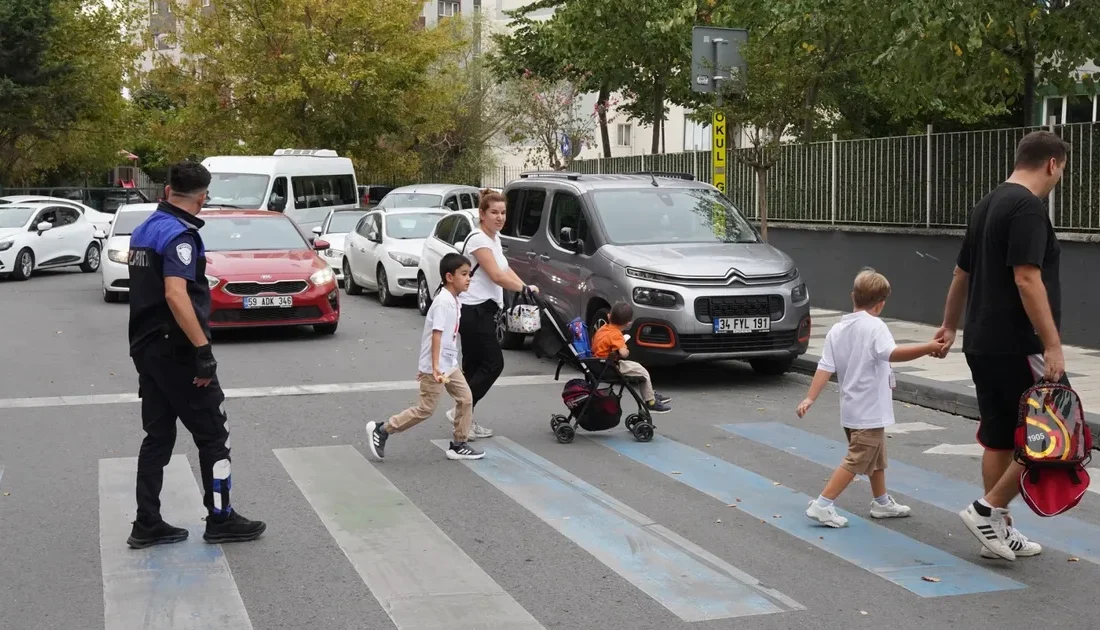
(384, 295)
(599, 318)
(349, 282)
(111, 297)
(24, 265)
(772, 367)
(423, 295)
(325, 329)
(91, 259)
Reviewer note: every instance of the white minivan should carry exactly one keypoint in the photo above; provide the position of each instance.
(305, 184)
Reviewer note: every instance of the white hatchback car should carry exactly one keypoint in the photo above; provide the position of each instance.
(36, 236)
(382, 252)
(101, 220)
(334, 231)
(447, 237)
(116, 269)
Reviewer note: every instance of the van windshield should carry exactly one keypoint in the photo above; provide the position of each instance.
(238, 190)
(671, 215)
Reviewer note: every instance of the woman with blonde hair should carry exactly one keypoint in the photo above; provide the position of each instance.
(482, 359)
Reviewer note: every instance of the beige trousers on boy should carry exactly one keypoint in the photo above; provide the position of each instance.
(430, 391)
(633, 371)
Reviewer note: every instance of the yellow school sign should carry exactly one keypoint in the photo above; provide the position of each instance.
(718, 166)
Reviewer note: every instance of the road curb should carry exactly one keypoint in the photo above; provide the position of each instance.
(955, 399)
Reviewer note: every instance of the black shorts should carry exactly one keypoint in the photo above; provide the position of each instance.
(1000, 381)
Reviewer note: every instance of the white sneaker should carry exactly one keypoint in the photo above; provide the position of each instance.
(991, 531)
(892, 509)
(825, 515)
(1020, 545)
(476, 430)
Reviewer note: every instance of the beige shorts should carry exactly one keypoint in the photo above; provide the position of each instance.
(866, 451)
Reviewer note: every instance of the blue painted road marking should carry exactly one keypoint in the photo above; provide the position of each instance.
(1067, 534)
(884, 552)
(692, 583)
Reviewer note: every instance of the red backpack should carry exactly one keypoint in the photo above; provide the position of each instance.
(1054, 444)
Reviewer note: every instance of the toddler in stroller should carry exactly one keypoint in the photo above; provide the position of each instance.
(594, 401)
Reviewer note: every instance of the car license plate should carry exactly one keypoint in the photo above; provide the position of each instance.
(738, 325)
(276, 301)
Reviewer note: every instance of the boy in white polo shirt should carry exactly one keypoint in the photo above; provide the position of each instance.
(438, 368)
(859, 350)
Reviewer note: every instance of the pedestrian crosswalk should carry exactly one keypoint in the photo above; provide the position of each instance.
(423, 580)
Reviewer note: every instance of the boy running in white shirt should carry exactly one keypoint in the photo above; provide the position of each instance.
(859, 350)
(438, 367)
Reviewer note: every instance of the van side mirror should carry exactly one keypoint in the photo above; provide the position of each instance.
(568, 239)
(276, 203)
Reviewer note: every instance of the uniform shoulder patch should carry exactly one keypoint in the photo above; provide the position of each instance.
(183, 250)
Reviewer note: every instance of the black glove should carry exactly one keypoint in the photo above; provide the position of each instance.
(205, 364)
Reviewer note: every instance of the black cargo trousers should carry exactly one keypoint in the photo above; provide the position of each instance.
(166, 371)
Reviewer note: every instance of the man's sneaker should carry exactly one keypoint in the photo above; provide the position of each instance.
(142, 536)
(377, 439)
(1020, 545)
(892, 509)
(825, 515)
(657, 406)
(662, 398)
(991, 530)
(236, 528)
(462, 450)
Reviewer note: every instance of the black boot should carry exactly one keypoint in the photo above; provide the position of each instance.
(235, 528)
(160, 533)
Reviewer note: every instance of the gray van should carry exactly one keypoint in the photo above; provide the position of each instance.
(703, 284)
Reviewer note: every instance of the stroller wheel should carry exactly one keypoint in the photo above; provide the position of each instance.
(643, 431)
(564, 433)
(556, 420)
(631, 421)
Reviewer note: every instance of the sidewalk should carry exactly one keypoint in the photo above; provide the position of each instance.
(944, 384)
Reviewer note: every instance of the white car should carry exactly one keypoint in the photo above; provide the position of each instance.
(35, 236)
(101, 220)
(441, 196)
(382, 252)
(447, 237)
(116, 270)
(334, 230)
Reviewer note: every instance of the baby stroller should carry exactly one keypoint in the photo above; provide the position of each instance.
(592, 401)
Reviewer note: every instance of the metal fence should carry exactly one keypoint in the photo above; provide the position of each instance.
(926, 180)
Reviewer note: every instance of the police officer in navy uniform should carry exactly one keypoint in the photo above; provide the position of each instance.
(170, 347)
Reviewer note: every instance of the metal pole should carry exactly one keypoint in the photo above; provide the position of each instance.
(1050, 198)
(832, 200)
(928, 177)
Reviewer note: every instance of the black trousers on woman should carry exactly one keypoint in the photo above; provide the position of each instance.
(482, 359)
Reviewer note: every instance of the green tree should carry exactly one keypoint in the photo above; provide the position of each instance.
(971, 60)
(544, 111)
(62, 64)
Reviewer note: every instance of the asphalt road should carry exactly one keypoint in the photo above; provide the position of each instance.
(601, 533)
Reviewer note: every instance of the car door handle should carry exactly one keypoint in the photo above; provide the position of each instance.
(544, 257)
(531, 255)
(503, 248)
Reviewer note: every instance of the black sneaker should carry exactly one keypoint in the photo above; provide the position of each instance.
(462, 450)
(657, 407)
(377, 438)
(662, 398)
(236, 528)
(142, 536)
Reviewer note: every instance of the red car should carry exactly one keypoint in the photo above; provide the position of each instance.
(263, 271)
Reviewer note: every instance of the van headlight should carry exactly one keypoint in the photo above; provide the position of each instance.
(800, 294)
(322, 277)
(655, 297)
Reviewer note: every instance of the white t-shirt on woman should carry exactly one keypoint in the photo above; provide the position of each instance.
(482, 287)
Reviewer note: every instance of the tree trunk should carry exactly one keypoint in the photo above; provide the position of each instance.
(762, 197)
(605, 136)
(658, 113)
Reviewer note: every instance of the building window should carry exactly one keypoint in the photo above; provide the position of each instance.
(624, 135)
(697, 135)
(1069, 110)
(449, 8)
(154, 7)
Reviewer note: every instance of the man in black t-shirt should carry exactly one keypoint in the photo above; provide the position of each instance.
(1007, 275)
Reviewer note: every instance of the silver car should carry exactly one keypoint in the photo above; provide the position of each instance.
(448, 196)
(703, 285)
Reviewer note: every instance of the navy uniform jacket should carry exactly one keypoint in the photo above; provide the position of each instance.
(167, 244)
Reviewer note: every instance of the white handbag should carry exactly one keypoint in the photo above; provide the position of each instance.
(523, 319)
